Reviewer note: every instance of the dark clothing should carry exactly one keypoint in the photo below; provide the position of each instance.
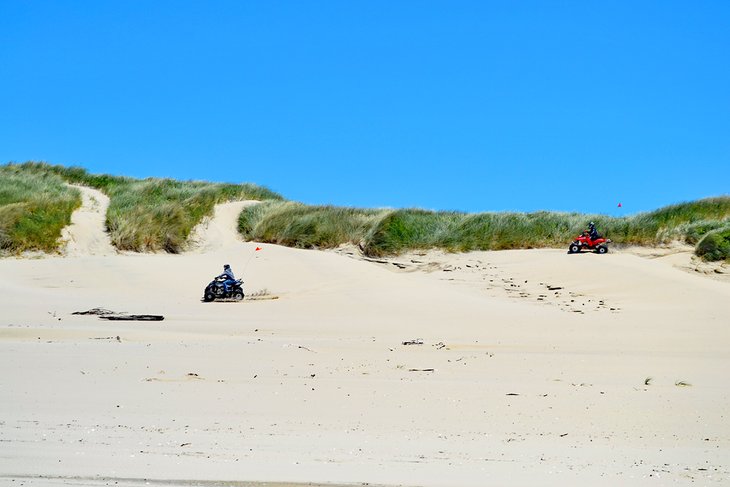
(592, 232)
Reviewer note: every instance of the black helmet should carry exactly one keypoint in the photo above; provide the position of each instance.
(226, 266)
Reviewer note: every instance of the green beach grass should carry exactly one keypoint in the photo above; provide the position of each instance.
(34, 208)
(155, 214)
(147, 215)
(302, 226)
(388, 232)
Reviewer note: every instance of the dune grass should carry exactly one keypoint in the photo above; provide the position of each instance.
(151, 214)
(159, 214)
(34, 208)
(297, 225)
(387, 232)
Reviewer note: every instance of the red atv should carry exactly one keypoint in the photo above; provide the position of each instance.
(584, 242)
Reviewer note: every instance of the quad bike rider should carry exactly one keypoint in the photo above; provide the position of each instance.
(592, 232)
(589, 240)
(224, 286)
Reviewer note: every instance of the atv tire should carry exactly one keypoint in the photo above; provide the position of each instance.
(238, 295)
(574, 249)
(602, 249)
(208, 297)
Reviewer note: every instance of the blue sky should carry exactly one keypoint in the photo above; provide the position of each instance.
(472, 106)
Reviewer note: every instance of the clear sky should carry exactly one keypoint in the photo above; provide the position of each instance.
(452, 105)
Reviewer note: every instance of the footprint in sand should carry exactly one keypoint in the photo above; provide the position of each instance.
(495, 279)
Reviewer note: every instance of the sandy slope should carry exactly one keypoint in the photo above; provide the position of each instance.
(532, 370)
(87, 233)
(220, 231)
(682, 256)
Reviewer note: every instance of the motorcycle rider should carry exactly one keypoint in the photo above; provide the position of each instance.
(229, 278)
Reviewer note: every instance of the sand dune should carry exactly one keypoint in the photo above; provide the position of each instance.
(533, 368)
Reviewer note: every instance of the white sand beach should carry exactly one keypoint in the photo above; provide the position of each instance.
(530, 367)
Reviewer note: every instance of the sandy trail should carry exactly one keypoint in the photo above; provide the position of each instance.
(219, 231)
(535, 368)
(87, 233)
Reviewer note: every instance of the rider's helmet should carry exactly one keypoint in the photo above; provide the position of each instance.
(591, 224)
(226, 266)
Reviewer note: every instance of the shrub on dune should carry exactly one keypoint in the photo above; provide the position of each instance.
(715, 245)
